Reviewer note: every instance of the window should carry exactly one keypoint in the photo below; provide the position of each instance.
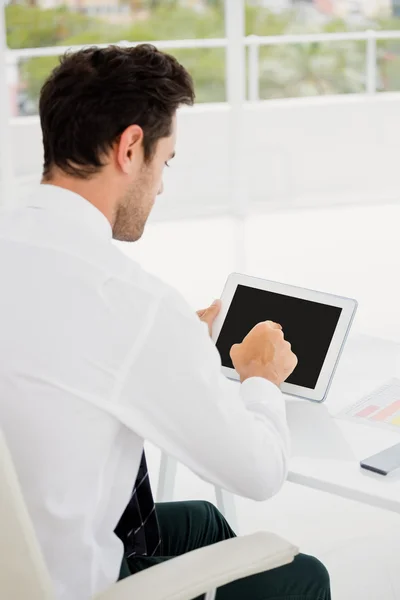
(318, 67)
(31, 25)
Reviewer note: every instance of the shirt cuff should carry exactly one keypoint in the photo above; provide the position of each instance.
(258, 389)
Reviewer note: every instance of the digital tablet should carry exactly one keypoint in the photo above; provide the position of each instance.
(316, 324)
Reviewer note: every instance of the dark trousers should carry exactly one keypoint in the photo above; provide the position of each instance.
(186, 526)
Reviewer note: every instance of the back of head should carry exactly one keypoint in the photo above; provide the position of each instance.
(96, 93)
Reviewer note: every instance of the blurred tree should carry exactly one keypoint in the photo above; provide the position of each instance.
(388, 57)
(261, 21)
(206, 65)
(218, 4)
(182, 23)
(307, 69)
(289, 70)
(32, 27)
(312, 69)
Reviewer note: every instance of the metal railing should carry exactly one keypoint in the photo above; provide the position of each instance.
(252, 42)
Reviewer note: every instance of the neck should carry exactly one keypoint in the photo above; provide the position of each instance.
(94, 190)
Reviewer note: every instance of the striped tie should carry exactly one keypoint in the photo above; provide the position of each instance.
(138, 527)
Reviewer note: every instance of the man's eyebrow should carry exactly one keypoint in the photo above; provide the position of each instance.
(172, 156)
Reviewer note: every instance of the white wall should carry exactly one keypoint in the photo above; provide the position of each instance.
(303, 152)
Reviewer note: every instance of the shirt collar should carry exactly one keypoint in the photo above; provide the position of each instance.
(71, 205)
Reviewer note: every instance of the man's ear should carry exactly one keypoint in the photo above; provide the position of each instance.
(130, 147)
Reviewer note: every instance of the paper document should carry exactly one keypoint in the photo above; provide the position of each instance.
(380, 408)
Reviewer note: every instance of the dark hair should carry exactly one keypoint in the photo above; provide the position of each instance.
(94, 94)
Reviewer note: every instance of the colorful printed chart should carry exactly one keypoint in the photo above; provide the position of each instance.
(380, 408)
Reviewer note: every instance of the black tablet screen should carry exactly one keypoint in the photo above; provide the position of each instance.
(308, 326)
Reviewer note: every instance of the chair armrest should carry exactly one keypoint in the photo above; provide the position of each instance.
(197, 572)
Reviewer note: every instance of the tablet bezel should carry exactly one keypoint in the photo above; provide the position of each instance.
(348, 306)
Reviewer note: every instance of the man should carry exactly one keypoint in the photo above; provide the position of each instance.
(97, 356)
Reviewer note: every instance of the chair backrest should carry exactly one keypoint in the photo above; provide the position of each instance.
(23, 573)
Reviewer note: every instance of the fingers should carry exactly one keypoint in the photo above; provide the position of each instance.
(269, 325)
(210, 310)
(208, 315)
(273, 325)
(273, 328)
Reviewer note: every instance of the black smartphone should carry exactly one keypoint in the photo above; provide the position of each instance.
(384, 462)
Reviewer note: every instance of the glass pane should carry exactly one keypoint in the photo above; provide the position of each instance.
(34, 27)
(103, 21)
(296, 70)
(277, 17)
(32, 24)
(206, 65)
(388, 58)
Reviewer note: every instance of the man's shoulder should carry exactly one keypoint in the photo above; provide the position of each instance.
(151, 289)
(141, 282)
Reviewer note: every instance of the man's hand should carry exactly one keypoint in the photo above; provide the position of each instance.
(208, 315)
(265, 353)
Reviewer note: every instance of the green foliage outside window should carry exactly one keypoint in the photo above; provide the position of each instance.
(285, 71)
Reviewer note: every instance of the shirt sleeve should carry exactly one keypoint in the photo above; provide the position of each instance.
(173, 394)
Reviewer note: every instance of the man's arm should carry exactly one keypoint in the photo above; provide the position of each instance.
(174, 395)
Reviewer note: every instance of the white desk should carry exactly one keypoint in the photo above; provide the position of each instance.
(325, 450)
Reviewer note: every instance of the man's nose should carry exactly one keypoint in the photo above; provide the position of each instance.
(160, 189)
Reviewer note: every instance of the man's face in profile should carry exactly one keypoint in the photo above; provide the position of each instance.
(138, 200)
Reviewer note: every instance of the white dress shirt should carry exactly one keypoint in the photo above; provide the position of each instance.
(96, 356)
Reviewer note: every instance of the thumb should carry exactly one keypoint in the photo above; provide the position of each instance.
(210, 312)
(214, 309)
